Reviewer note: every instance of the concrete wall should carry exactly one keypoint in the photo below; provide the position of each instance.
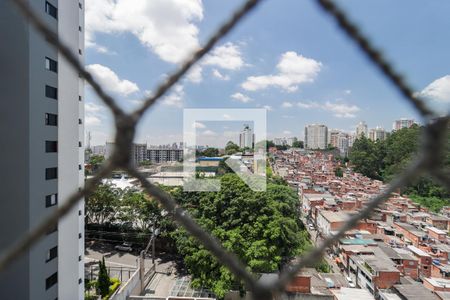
(14, 159)
(71, 275)
(23, 157)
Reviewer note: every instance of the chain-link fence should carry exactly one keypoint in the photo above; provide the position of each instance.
(429, 160)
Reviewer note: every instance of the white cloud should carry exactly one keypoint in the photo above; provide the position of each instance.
(227, 56)
(287, 117)
(167, 27)
(92, 120)
(287, 132)
(175, 98)
(341, 109)
(209, 133)
(287, 104)
(438, 90)
(195, 74)
(199, 125)
(241, 97)
(307, 105)
(110, 81)
(268, 107)
(347, 92)
(92, 108)
(293, 69)
(219, 75)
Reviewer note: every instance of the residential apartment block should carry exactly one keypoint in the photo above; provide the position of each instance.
(42, 131)
(316, 136)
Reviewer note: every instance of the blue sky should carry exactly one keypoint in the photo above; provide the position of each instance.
(287, 56)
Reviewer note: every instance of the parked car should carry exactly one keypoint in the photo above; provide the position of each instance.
(124, 247)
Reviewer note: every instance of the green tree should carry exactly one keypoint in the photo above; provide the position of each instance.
(231, 148)
(103, 278)
(140, 209)
(262, 228)
(209, 152)
(96, 161)
(365, 159)
(101, 205)
(338, 172)
(270, 144)
(298, 144)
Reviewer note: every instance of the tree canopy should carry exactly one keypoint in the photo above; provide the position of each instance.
(385, 159)
(261, 228)
(209, 152)
(231, 148)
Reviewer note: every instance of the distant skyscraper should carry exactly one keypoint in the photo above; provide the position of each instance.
(377, 133)
(246, 137)
(361, 130)
(42, 113)
(402, 123)
(316, 136)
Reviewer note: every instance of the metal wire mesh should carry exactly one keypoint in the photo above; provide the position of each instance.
(429, 160)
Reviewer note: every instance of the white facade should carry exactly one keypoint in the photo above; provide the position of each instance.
(343, 143)
(377, 134)
(246, 137)
(361, 130)
(402, 123)
(70, 157)
(42, 109)
(316, 136)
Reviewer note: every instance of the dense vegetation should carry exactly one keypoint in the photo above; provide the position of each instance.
(384, 159)
(261, 228)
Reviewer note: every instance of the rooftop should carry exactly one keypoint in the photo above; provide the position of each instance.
(351, 294)
(415, 292)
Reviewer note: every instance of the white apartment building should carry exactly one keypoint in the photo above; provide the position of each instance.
(316, 136)
(377, 134)
(280, 141)
(402, 123)
(41, 113)
(361, 129)
(246, 137)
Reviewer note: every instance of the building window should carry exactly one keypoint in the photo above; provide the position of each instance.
(80, 52)
(51, 200)
(80, 5)
(80, 280)
(80, 235)
(79, 98)
(51, 65)
(79, 258)
(51, 92)
(79, 28)
(80, 212)
(80, 121)
(51, 173)
(51, 10)
(51, 146)
(80, 167)
(79, 144)
(51, 119)
(51, 281)
(52, 253)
